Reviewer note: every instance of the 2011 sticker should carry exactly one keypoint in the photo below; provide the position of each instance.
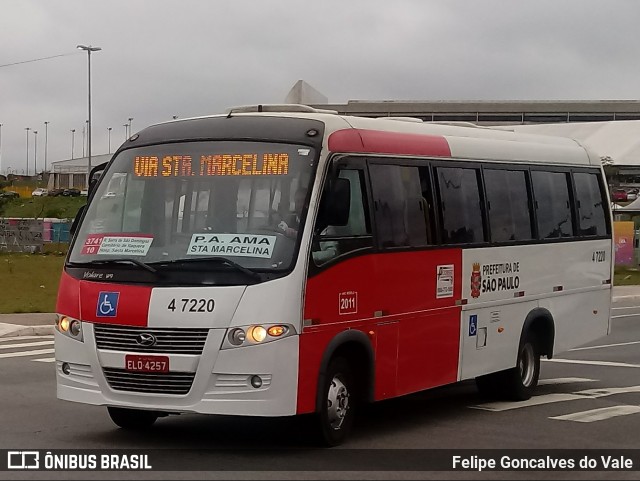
(348, 302)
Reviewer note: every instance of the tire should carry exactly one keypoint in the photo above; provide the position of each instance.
(133, 419)
(338, 403)
(519, 383)
(488, 385)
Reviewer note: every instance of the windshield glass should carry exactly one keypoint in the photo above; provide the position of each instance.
(239, 200)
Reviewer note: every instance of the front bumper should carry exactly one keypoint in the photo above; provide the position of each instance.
(221, 378)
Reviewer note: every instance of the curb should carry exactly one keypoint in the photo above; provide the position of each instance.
(13, 330)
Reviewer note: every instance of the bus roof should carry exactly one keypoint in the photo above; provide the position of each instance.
(408, 136)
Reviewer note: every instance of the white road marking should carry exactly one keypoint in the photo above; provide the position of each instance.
(599, 414)
(592, 363)
(605, 345)
(563, 380)
(46, 359)
(26, 344)
(608, 391)
(20, 338)
(500, 406)
(26, 353)
(561, 397)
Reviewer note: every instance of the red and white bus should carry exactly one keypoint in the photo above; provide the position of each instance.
(281, 260)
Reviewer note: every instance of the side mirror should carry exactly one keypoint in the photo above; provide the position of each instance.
(335, 204)
(76, 220)
(94, 177)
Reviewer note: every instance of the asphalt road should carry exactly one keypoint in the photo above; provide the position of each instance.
(589, 398)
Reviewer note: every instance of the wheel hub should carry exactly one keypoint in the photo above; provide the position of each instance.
(527, 365)
(337, 403)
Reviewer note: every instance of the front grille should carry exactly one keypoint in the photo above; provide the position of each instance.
(168, 340)
(149, 382)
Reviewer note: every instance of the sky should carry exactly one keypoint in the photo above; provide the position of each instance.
(185, 58)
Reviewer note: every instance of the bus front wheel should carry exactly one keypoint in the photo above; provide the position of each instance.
(133, 419)
(338, 402)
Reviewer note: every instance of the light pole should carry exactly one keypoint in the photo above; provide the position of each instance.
(46, 141)
(109, 129)
(89, 49)
(84, 130)
(73, 133)
(126, 131)
(130, 131)
(27, 129)
(35, 153)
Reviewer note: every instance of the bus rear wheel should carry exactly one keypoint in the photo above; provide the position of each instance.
(519, 383)
(133, 419)
(338, 403)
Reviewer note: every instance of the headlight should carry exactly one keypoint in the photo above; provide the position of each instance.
(236, 337)
(256, 334)
(70, 327)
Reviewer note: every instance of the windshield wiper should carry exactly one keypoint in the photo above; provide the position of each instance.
(120, 261)
(215, 260)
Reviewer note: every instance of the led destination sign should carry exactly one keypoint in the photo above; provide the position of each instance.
(211, 165)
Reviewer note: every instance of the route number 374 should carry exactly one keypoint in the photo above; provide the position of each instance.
(191, 305)
(598, 256)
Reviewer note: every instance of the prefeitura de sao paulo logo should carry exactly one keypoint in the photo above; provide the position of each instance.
(476, 280)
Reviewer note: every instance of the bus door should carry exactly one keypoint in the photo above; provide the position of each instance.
(416, 282)
(341, 291)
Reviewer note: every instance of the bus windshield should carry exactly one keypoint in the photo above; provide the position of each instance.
(239, 202)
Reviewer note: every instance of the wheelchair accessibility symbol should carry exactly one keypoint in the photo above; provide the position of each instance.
(107, 304)
(473, 325)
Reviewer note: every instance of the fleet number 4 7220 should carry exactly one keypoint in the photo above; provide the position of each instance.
(191, 305)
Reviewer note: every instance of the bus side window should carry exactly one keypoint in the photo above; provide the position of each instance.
(508, 205)
(591, 205)
(552, 203)
(459, 199)
(400, 208)
(333, 241)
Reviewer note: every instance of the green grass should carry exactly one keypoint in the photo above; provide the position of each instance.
(626, 276)
(39, 207)
(28, 282)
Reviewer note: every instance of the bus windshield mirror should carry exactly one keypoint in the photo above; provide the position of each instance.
(336, 205)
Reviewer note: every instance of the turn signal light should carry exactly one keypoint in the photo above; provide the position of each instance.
(277, 331)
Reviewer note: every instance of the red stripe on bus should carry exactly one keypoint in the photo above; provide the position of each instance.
(381, 142)
(132, 308)
(80, 299)
(393, 299)
(68, 302)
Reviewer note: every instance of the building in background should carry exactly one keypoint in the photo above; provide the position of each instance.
(73, 172)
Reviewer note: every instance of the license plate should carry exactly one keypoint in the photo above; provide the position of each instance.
(146, 363)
